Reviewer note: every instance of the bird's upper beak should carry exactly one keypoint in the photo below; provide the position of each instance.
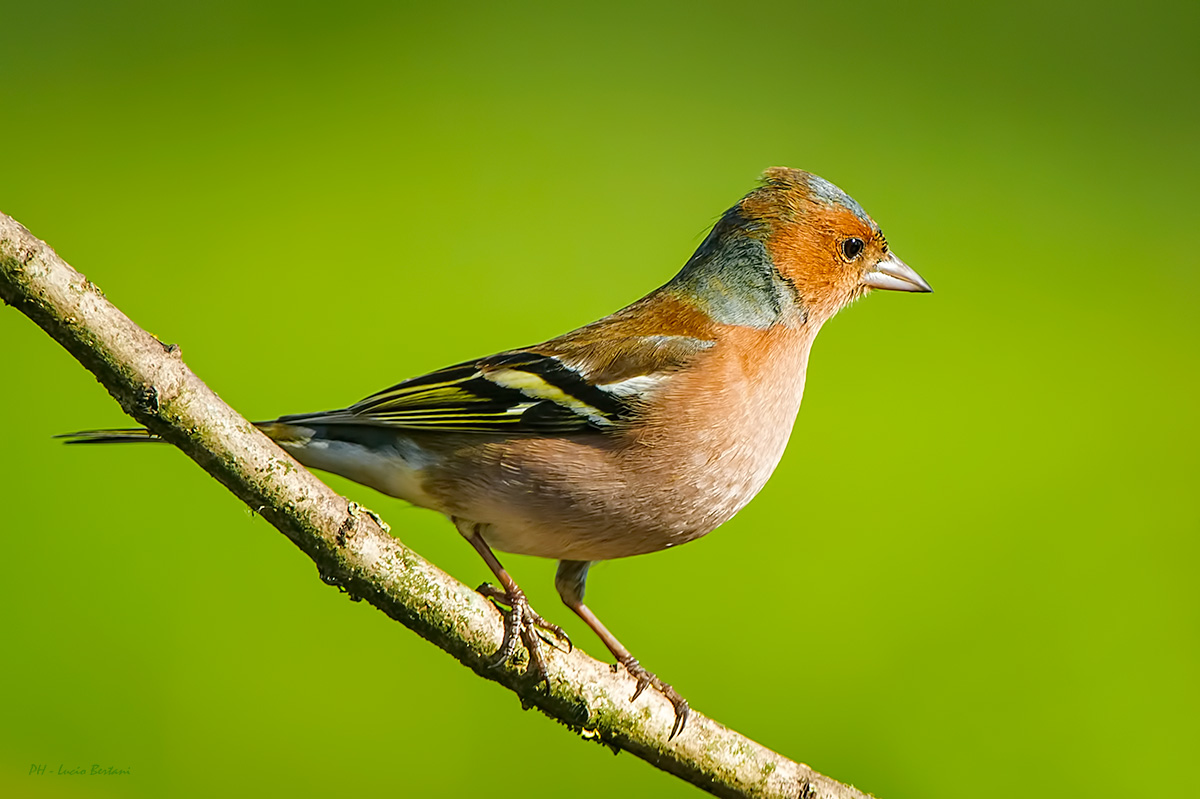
(893, 274)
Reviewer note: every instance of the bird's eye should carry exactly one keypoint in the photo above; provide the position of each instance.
(852, 248)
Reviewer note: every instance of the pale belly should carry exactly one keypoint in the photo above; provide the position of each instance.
(575, 500)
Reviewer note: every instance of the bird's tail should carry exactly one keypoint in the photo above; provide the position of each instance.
(121, 435)
(280, 430)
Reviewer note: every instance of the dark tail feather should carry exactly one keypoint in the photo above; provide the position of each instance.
(280, 429)
(115, 436)
(127, 435)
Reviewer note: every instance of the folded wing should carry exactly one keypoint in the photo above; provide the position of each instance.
(573, 387)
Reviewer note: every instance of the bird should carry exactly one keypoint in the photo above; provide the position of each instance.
(633, 434)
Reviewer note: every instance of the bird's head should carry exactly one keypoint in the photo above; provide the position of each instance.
(795, 250)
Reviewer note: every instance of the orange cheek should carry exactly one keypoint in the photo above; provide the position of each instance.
(808, 257)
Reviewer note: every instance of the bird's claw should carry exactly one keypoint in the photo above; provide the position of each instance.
(646, 678)
(521, 622)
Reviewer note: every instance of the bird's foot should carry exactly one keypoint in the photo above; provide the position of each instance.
(521, 622)
(646, 678)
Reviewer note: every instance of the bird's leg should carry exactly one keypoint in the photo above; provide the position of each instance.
(520, 620)
(570, 581)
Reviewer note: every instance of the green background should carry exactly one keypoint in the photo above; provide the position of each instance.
(975, 571)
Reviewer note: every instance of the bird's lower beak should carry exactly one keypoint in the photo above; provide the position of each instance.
(894, 275)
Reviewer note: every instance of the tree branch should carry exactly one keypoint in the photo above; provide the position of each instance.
(155, 387)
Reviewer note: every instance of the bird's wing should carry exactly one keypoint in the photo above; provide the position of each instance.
(569, 386)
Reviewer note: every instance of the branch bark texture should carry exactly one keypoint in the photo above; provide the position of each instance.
(155, 387)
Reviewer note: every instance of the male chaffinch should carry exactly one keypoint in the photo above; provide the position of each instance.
(640, 431)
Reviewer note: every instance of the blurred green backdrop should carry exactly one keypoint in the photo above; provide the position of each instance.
(977, 564)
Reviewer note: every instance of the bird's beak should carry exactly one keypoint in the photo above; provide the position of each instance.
(894, 275)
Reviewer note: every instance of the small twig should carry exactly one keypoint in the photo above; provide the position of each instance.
(155, 387)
